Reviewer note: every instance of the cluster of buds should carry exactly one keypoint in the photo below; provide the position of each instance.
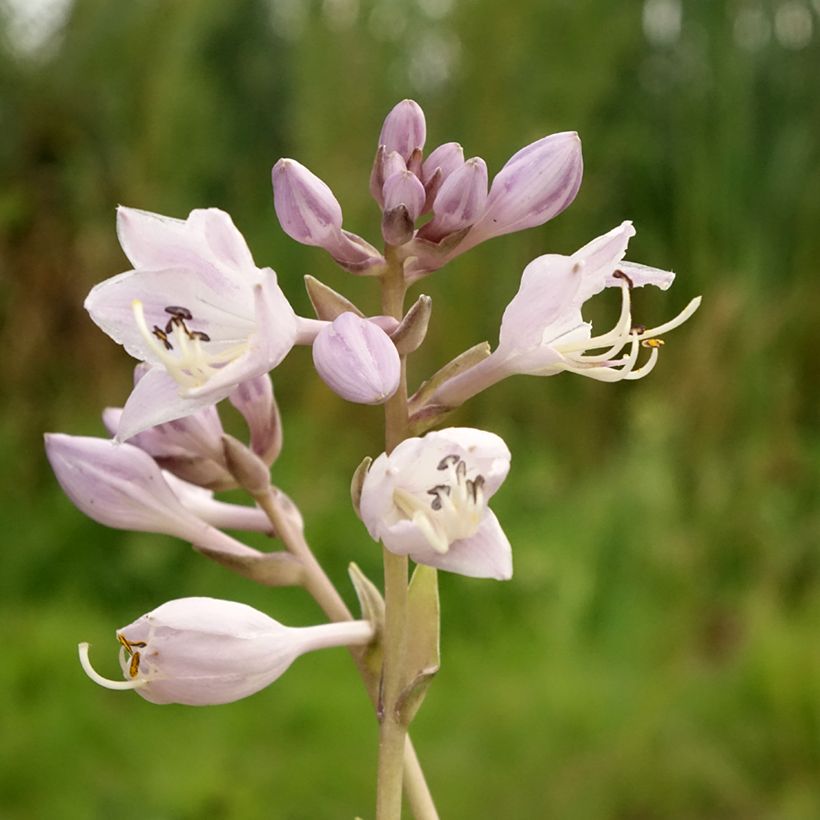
(206, 323)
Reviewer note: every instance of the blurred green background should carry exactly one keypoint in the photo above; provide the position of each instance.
(657, 653)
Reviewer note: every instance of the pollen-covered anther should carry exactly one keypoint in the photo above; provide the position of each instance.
(180, 349)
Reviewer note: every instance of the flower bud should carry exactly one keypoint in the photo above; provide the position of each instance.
(405, 189)
(309, 213)
(357, 360)
(121, 486)
(190, 447)
(206, 651)
(535, 185)
(459, 202)
(447, 158)
(404, 129)
(254, 399)
(305, 206)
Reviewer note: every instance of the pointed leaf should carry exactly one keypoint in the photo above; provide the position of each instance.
(327, 303)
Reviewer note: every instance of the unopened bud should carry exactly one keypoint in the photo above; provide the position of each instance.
(404, 129)
(250, 471)
(254, 399)
(459, 202)
(357, 360)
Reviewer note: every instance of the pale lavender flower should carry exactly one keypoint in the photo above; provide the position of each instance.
(206, 651)
(445, 159)
(196, 308)
(357, 360)
(544, 333)
(309, 213)
(428, 499)
(121, 486)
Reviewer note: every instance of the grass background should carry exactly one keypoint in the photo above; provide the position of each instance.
(656, 654)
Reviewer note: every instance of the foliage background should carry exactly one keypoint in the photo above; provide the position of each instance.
(656, 654)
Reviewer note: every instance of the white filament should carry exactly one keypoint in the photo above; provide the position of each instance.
(92, 673)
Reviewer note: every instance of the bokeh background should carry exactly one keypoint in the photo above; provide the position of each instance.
(657, 654)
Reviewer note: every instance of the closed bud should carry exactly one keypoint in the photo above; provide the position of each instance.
(254, 399)
(447, 158)
(121, 486)
(404, 188)
(189, 448)
(536, 184)
(459, 202)
(357, 360)
(309, 213)
(404, 129)
(206, 651)
(307, 210)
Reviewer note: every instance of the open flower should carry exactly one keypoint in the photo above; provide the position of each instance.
(428, 499)
(544, 333)
(205, 651)
(196, 308)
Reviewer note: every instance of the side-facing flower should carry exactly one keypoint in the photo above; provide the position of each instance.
(357, 360)
(428, 499)
(121, 486)
(309, 213)
(544, 333)
(196, 308)
(206, 651)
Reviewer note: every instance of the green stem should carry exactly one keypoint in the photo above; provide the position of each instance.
(393, 731)
(332, 604)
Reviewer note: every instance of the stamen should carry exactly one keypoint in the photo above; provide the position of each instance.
(134, 666)
(653, 343)
(676, 322)
(180, 312)
(92, 673)
(448, 460)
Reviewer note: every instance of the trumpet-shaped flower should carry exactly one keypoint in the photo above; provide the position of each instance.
(196, 308)
(206, 651)
(544, 333)
(428, 499)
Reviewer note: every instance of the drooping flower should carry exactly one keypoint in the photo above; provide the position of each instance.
(357, 360)
(121, 486)
(428, 499)
(196, 308)
(206, 651)
(544, 333)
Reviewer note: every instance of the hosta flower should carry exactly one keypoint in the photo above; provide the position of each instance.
(428, 499)
(544, 333)
(121, 486)
(196, 308)
(205, 651)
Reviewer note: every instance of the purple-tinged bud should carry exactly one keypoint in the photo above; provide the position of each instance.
(255, 401)
(404, 198)
(121, 486)
(404, 129)
(448, 158)
(405, 189)
(307, 210)
(357, 360)
(459, 202)
(536, 184)
(385, 165)
(309, 213)
(206, 651)
(189, 448)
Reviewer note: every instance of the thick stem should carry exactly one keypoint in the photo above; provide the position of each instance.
(333, 605)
